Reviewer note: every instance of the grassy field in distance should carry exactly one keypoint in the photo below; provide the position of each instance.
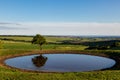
(57, 38)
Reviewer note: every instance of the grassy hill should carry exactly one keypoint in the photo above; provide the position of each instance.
(12, 48)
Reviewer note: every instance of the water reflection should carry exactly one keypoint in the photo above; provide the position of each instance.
(39, 61)
(61, 62)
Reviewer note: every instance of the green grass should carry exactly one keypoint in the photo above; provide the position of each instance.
(21, 45)
(12, 48)
(29, 46)
(7, 74)
(6, 52)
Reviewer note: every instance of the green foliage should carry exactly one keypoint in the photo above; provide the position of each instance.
(97, 48)
(38, 39)
(102, 45)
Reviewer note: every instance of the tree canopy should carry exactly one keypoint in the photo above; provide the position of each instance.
(39, 39)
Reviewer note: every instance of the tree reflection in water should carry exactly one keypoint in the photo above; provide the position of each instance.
(39, 61)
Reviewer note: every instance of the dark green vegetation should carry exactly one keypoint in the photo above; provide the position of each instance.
(39, 39)
(18, 45)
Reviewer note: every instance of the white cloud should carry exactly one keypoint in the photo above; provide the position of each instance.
(63, 28)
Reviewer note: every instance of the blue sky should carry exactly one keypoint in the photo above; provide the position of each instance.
(60, 17)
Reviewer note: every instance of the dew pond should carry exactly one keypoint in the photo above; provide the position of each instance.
(60, 62)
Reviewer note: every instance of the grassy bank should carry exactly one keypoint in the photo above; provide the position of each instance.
(7, 74)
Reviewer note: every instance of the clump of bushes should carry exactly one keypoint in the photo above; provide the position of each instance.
(7, 39)
(98, 47)
(103, 45)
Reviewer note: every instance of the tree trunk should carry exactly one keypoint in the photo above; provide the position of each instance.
(40, 47)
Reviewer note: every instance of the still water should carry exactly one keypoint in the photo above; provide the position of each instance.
(60, 62)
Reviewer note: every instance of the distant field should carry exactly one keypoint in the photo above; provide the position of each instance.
(56, 39)
(17, 38)
(49, 39)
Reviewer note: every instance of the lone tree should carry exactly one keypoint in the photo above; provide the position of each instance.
(38, 39)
